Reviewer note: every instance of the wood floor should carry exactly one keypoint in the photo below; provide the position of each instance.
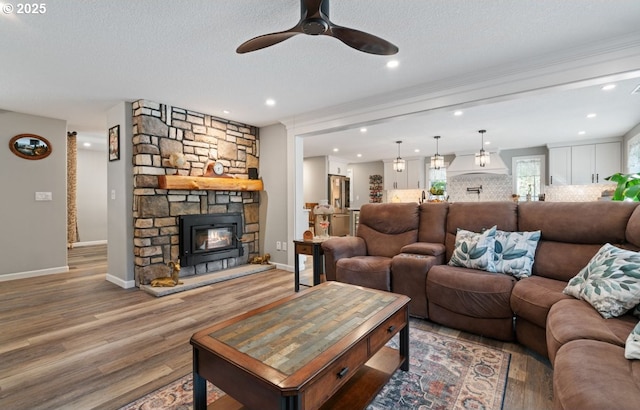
(76, 341)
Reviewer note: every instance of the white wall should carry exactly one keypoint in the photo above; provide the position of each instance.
(34, 233)
(274, 198)
(314, 179)
(360, 181)
(92, 195)
(120, 201)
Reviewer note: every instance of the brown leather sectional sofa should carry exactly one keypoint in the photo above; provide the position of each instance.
(405, 247)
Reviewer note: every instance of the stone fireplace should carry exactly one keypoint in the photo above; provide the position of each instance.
(160, 130)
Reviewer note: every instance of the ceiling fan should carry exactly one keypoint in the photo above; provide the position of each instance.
(314, 21)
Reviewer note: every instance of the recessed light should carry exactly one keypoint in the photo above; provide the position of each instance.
(270, 102)
(359, 155)
(336, 150)
(86, 144)
(226, 112)
(416, 150)
(363, 129)
(393, 63)
(608, 87)
(487, 143)
(581, 132)
(458, 113)
(591, 115)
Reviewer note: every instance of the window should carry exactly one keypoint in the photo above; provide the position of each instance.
(438, 180)
(528, 176)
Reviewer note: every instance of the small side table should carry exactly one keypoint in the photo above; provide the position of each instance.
(313, 248)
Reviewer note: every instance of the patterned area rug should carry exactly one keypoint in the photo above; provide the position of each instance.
(444, 373)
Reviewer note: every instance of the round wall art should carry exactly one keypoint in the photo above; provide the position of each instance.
(30, 146)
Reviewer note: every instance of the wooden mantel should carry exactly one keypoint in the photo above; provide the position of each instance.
(191, 183)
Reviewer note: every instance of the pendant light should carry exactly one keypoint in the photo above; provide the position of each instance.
(437, 161)
(483, 158)
(398, 163)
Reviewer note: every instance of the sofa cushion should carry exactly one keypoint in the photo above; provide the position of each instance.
(433, 222)
(532, 298)
(573, 319)
(471, 292)
(515, 252)
(632, 233)
(409, 277)
(632, 346)
(368, 271)
(386, 228)
(610, 282)
(423, 248)
(594, 375)
(474, 250)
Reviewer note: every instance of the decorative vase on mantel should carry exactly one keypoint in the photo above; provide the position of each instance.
(322, 212)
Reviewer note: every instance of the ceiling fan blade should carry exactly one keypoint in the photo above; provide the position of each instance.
(362, 41)
(267, 40)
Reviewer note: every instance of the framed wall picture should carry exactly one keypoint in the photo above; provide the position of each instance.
(114, 143)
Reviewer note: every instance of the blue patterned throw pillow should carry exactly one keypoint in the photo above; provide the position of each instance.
(514, 252)
(632, 346)
(474, 250)
(610, 282)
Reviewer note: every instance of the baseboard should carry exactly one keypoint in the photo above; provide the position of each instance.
(125, 284)
(282, 266)
(88, 243)
(34, 273)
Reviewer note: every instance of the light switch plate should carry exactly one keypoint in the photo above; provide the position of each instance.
(43, 196)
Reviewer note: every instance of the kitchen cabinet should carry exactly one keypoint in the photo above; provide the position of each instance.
(584, 164)
(415, 173)
(337, 167)
(413, 177)
(560, 166)
(595, 162)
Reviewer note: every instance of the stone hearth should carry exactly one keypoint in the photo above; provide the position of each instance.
(197, 281)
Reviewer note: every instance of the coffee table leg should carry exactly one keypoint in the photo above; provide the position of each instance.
(404, 345)
(199, 386)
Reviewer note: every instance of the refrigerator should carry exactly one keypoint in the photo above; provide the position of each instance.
(339, 189)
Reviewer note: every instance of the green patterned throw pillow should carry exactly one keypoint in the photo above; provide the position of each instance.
(632, 346)
(610, 282)
(514, 252)
(474, 250)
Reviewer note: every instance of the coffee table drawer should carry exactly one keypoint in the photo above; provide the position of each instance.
(383, 333)
(335, 376)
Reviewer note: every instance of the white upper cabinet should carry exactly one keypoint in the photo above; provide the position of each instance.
(584, 164)
(560, 166)
(413, 177)
(337, 166)
(415, 173)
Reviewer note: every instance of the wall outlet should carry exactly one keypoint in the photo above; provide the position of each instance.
(278, 245)
(284, 245)
(43, 196)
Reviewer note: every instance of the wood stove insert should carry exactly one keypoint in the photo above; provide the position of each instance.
(210, 237)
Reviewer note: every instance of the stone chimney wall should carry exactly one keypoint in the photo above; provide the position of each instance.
(160, 130)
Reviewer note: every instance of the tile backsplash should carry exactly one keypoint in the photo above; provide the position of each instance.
(494, 188)
(499, 188)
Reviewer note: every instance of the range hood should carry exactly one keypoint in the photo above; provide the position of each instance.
(466, 164)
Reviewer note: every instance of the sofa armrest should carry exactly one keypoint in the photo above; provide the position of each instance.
(338, 248)
(424, 248)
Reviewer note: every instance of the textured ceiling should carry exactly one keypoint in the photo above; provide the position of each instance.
(82, 57)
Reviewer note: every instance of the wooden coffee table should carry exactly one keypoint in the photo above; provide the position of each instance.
(321, 348)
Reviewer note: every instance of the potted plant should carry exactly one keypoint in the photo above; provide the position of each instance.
(628, 188)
